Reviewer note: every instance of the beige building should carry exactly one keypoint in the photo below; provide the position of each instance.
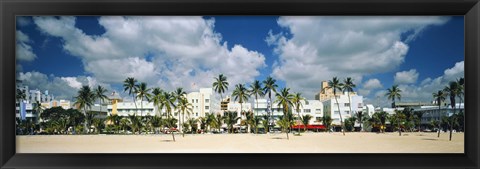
(326, 93)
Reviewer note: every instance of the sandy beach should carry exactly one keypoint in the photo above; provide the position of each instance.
(244, 143)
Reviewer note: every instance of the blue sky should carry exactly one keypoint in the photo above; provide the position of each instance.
(420, 54)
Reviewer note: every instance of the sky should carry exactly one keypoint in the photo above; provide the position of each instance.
(421, 54)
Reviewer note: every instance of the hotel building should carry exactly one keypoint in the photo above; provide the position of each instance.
(330, 107)
(313, 108)
(201, 102)
(201, 105)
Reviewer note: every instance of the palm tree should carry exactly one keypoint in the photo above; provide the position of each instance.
(439, 97)
(20, 95)
(360, 118)
(183, 107)
(135, 123)
(453, 90)
(156, 122)
(179, 94)
(124, 123)
(168, 101)
(241, 94)
(380, 119)
(393, 93)
(265, 122)
(269, 86)
(336, 85)
(170, 122)
(85, 99)
(461, 90)
(217, 122)
(98, 124)
(220, 85)
(115, 120)
(192, 122)
(156, 98)
(130, 85)
(255, 121)
(285, 122)
(418, 115)
(297, 101)
(285, 99)
(306, 121)
(257, 90)
(230, 118)
(142, 92)
(99, 93)
(348, 86)
(38, 108)
(209, 119)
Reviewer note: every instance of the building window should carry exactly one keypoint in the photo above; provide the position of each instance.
(196, 114)
(196, 100)
(348, 112)
(207, 107)
(306, 103)
(207, 100)
(347, 104)
(193, 101)
(318, 110)
(306, 110)
(336, 112)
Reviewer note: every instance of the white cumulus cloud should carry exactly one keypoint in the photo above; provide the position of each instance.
(24, 51)
(164, 51)
(406, 77)
(317, 48)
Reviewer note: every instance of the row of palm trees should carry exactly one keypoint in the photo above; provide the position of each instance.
(176, 100)
(454, 90)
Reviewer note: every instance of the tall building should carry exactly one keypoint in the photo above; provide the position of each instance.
(65, 104)
(330, 107)
(313, 108)
(224, 104)
(32, 96)
(115, 105)
(235, 106)
(201, 102)
(326, 93)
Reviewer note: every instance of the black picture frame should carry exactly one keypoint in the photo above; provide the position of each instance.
(11, 8)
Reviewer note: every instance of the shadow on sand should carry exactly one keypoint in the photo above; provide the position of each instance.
(432, 139)
(278, 138)
(167, 141)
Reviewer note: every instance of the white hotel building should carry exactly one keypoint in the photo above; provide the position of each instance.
(201, 104)
(330, 107)
(313, 108)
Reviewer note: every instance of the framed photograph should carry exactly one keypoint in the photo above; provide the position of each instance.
(239, 84)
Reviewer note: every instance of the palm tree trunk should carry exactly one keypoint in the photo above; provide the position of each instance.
(350, 106)
(134, 102)
(183, 121)
(141, 107)
(340, 113)
(298, 113)
(256, 113)
(85, 123)
(241, 114)
(451, 123)
(286, 131)
(179, 124)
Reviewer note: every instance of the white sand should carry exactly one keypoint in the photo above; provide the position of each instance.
(244, 143)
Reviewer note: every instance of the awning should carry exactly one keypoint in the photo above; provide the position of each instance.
(309, 126)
